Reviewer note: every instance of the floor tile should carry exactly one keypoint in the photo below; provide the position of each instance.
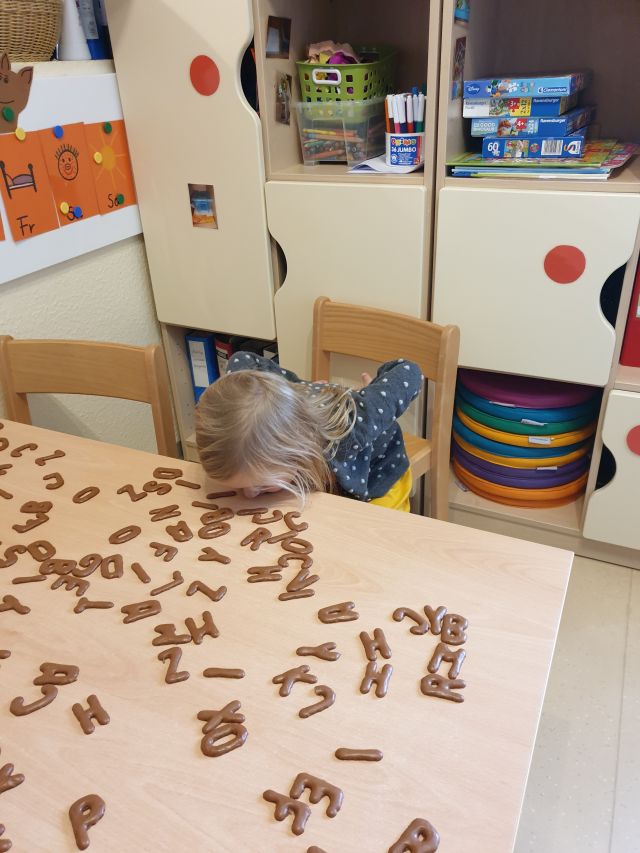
(569, 801)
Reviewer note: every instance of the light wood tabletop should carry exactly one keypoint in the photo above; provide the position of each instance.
(462, 766)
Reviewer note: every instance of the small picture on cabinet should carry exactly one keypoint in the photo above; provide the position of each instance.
(203, 206)
(283, 98)
(462, 11)
(458, 67)
(278, 38)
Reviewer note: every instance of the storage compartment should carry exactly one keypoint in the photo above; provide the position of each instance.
(364, 245)
(197, 157)
(541, 38)
(522, 273)
(612, 514)
(410, 28)
(341, 131)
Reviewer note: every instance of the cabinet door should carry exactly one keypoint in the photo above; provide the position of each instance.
(210, 278)
(613, 512)
(359, 244)
(521, 273)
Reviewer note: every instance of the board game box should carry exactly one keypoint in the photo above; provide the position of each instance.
(533, 147)
(517, 87)
(488, 107)
(521, 126)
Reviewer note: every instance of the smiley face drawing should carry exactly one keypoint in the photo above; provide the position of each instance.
(68, 166)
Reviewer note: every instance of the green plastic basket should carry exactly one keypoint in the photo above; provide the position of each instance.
(358, 82)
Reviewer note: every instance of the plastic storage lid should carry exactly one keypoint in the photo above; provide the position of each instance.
(524, 391)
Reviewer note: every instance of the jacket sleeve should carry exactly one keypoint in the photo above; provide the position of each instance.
(251, 361)
(381, 403)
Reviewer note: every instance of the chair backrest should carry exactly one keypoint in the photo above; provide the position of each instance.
(382, 336)
(87, 367)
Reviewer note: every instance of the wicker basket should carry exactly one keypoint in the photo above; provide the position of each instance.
(30, 29)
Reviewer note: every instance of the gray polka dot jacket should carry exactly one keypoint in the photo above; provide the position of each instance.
(372, 457)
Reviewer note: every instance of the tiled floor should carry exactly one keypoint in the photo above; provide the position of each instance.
(584, 786)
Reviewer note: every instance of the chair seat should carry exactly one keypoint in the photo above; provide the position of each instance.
(419, 453)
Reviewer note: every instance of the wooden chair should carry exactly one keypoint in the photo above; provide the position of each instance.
(383, 336)
(85, 367)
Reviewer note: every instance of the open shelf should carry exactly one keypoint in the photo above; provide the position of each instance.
(332, 172)
(411, 27)
(565, 519)
(627, 378)
(547, 38)
(625, 180)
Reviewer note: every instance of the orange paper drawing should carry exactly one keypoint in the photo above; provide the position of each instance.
(25, 187)
(110, 165)
(14, 92)
(1, 231)
(69, 167)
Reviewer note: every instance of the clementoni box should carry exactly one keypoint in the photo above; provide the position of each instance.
(556, 86)
(534, 147)
(520, 126)
(493, 107)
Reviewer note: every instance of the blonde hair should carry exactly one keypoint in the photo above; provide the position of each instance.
(279, 433)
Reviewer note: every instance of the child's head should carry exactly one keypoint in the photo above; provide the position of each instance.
(258, 432)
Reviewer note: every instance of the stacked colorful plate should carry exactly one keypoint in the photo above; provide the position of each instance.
(523, 441)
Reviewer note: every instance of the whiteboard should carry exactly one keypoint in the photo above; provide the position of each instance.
(64, 100)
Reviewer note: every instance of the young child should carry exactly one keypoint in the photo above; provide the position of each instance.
(262, 429)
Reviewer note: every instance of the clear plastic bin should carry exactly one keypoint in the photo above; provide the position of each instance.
(341, 131)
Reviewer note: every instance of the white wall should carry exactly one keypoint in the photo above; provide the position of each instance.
(102, 296)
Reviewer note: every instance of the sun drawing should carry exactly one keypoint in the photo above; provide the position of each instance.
(111, 153)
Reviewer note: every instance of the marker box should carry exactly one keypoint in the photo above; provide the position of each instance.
(405, 149)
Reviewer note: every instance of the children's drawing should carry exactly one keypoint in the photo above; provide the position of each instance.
(457, 75)
(283, 98)
(14, 93)
(69, 167)
(25, 187)
(110, 165)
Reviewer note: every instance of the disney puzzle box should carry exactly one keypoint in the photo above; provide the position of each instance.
(517, 87)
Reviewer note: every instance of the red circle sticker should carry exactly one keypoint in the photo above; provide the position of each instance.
(633, 440)
(564, 264)
(205, 77)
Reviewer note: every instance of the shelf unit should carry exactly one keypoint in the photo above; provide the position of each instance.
(425, 244)
(513, 318)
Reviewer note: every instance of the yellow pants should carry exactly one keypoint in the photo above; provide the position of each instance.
(398, 495)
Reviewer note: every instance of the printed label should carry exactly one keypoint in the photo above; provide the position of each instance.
(539, 439)
(532, 423)
(198, 364)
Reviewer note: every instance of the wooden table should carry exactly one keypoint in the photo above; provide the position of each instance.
(463, 766)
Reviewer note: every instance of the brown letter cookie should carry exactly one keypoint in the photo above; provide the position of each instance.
(343, 612)
(57, 481)
(292, 676)
(85, 494)
(421, 626)
(125, 534)
(219, 725)
(112, 567)
(208, 555)
(10, 602)
(140, 610)
(213, 594)
(57, 673)
(19, 709)
(419, 837)
(256, 538)
(177, 580)
(454, 629)
(259, 574)
(344, 754)
(207, 629)
(318, 789)
(85, 716)
(443, 688)
(173, 656)
(285, 806)
(380, 679)
(377, 643)
(328, 698)
(162, 513)
(444, 653)
(84, 814)
(325, 651)
(179, 532)
(57, 454)
(167, 552)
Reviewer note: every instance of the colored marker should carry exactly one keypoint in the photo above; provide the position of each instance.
(409, 102)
